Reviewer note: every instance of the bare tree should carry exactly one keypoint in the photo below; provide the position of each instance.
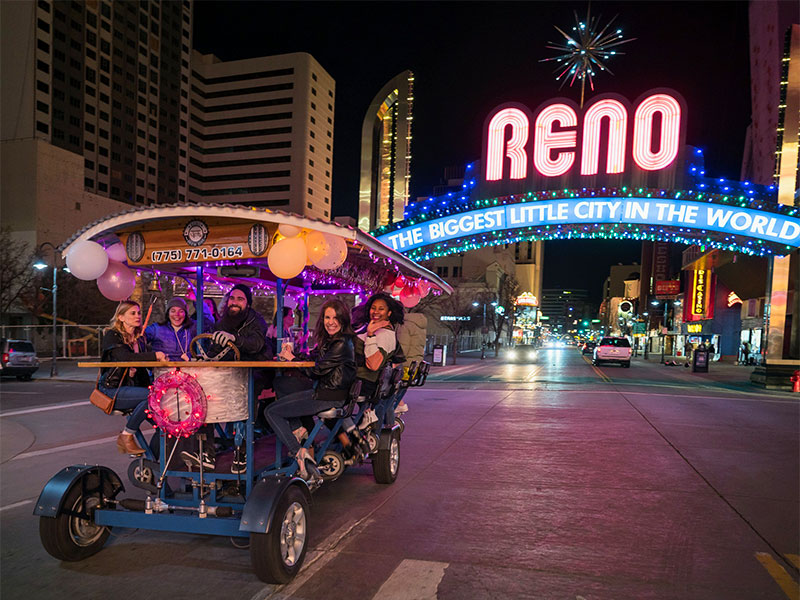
(459, 305)
(17, 276)
(497, 318)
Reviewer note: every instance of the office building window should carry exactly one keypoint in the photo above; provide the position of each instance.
(43, 127)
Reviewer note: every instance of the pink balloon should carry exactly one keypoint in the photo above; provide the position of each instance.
(409, 299)
(117, 283)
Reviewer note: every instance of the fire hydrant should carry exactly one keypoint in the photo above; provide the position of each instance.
(795, 379)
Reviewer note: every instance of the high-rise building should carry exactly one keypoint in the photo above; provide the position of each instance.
(261, 133)
(107, 81)
(386, 154)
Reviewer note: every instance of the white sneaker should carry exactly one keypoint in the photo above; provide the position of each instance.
(368, 419)
(401, 408)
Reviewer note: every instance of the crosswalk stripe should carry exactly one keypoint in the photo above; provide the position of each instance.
(413, 580)
(779, 574)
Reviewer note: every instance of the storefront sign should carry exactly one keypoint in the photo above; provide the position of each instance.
(668, 288)
(647, 211)
(527, 299)
(700, 302)
(733, 299)
(694, 328)
(660, 261)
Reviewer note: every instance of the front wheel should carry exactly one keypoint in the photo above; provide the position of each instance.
(386, 463)
(73, 535)
(277, 555)
(627, 365)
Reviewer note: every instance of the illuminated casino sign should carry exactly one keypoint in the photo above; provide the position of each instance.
(613, 170)
(700, 304)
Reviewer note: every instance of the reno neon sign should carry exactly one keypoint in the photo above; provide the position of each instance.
(608, 138)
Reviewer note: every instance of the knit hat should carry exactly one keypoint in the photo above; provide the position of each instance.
(246, 291)
(176, 301)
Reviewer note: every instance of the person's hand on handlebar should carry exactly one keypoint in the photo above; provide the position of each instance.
(286, 353)
(160, 356)
(221, 338)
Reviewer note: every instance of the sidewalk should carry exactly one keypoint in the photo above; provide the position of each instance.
(68, 370)
(727, 374)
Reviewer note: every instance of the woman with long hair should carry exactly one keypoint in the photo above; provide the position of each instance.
(334, 371)
(123, 342)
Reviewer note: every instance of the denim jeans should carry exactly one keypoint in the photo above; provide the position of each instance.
(299, 404)
(130, 396)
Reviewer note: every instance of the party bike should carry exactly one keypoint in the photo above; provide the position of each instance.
(199, 252)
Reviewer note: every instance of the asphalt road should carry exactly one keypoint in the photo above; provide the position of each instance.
(552, 479)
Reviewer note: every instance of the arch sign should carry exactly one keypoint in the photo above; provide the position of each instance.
(613, 170)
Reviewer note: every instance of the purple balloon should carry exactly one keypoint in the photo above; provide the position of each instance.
(117, 283)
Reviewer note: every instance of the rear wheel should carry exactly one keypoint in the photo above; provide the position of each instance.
(627, 365)
(386, 463)
(277, 555)
(73, 535)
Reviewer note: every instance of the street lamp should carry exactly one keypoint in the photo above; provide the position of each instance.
(483, 328)
(40, 265)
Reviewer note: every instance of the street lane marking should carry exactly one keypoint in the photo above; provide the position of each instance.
(417, 579)
(794, 559)
(26, 411)
(16, 504)
(779, 574)
(596, 370)
(65, 448)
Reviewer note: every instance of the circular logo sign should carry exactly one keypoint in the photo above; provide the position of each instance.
(625, 307)
(257, 239)
(195, 232)
(134, 247)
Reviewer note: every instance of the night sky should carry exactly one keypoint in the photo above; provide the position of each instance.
(469, 57)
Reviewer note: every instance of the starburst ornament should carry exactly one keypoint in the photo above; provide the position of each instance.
(587, 49)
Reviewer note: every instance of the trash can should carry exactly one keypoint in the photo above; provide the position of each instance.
(440, 355)
(700, 361)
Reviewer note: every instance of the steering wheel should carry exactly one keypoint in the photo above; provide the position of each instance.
(201, 353)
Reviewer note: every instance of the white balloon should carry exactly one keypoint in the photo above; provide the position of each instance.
(289, 231)
(87, 260)
(336, 253)
(287, 258)
(116, 252)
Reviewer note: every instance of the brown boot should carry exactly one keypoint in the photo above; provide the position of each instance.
(126, 444)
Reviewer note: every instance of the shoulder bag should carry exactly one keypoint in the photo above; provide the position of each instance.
(103, 401)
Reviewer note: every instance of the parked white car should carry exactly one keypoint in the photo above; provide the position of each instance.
(613, 349)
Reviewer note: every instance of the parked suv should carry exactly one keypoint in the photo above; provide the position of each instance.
(613, 349)
(18, 357)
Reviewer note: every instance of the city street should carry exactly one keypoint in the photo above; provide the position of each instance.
(551, 479)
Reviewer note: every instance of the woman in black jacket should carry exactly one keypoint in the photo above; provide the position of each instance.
(334, 371)
(123, 342)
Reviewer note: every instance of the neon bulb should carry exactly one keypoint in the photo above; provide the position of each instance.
(498, 149)
(617, 129)
(547, 140)
(643, 132)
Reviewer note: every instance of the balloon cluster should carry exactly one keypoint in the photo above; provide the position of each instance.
(295, 249)
(88, 260)
(408, 291)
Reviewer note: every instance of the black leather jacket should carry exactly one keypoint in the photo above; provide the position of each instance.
(116, 350)
(334, 369)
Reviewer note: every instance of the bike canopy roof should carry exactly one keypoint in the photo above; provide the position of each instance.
(232, 244)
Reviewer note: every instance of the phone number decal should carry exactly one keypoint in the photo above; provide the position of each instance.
(195, 254)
